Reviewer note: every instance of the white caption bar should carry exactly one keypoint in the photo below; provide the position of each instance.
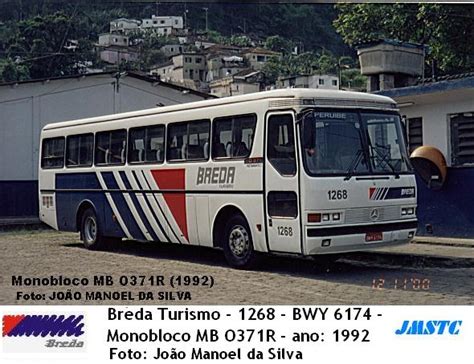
(230, 334)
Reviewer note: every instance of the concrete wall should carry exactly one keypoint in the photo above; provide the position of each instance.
(448, 212)
(26, 108)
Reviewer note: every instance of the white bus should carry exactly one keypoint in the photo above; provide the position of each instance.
(297, 171)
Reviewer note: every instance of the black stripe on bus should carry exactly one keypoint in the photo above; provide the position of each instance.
(361, 229)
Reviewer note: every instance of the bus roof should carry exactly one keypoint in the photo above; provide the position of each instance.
(316, 95)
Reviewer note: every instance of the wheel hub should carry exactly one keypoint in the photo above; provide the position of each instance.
(239, 240)
(90, 230)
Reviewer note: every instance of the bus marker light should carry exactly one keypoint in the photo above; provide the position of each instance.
(326, 217)
(336, 216)
(259, 227)
(314, 217)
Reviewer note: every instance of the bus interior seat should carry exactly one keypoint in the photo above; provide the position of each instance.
(205, 150)
(228, 149)
(158, 155)
(108, 156)
(219, 150)
(174, 153)
(195, 151)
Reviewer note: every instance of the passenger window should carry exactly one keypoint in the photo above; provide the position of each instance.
(110, 147)
(147, 144)
(52, 153)
(188, 141)
(233, 136)
(281, 144)
(79, 149)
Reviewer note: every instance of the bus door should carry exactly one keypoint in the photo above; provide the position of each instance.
(281, 184)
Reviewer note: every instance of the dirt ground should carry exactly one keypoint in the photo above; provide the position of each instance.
(368, 278)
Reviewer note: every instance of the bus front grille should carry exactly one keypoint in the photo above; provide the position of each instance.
(367, 214)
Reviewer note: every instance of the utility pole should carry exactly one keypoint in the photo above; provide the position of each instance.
(206, 10)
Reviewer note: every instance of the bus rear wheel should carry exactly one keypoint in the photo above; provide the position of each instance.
(237, 243)
(91, 234)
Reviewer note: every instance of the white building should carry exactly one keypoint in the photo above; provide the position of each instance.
(441, 114)
(329, 82)
(123, 25)
(27, 106)
(163, 25)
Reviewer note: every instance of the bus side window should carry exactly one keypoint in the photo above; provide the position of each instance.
(79, 150)
(280, 144)
(110, 147)
(233, 136)
(176, 141)
(52, 153)
(187, 141)
(146, 144)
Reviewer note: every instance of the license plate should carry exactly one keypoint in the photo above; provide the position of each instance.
(369, 237)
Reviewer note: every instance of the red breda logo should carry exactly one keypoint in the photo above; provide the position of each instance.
(174, 181)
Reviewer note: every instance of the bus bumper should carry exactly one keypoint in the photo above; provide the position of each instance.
(350, 239)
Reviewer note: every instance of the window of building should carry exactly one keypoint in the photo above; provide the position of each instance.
(162, 21)
(233, 136)
(198, 59)
(188, 141)
(281, 144)
(414, 133)
(79, 150)
(187, 59)
(462, 138)
(321, 81)
(52, 153)
(191, 74)
(146, 144)
(110, 147)
(334, 82)
(155, 22)
(260, 58)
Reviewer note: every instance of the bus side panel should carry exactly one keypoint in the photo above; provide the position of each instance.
(68, 202)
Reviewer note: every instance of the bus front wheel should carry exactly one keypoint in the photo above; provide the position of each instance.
(237, 243)
(90, 231)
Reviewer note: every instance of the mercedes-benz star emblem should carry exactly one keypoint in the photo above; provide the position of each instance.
(374, 215)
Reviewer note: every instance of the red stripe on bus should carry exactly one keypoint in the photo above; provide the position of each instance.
(371, 192)
(174, 179)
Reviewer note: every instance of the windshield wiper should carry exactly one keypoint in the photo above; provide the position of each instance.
(352, 167)
(383, 158)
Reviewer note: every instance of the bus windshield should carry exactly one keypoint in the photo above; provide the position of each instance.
(339, 142)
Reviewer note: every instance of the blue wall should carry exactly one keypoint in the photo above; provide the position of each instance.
(18, 198)
(450, 211)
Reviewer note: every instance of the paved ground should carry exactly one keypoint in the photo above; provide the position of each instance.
(413, 274)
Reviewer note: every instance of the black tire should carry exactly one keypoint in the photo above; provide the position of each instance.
(91, 231)
(237, 243)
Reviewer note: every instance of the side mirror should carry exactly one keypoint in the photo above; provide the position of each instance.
(430, 165)
(308, 132)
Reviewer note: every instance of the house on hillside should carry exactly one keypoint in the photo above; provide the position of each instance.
(330, 82)
(257, 57)
(244, 82)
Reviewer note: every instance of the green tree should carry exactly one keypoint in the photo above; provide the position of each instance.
(447, 29)
(11, 71)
